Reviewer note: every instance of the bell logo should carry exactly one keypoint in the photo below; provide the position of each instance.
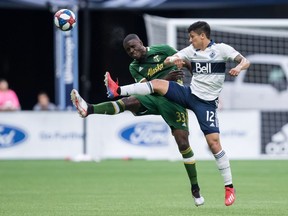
(203, 68)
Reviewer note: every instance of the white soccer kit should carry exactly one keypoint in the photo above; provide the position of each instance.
(208, 68)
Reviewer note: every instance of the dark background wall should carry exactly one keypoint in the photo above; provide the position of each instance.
(27, 45)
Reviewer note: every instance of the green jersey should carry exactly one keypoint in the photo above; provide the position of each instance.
(152, 66)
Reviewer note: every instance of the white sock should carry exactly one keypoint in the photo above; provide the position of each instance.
(223, 165)
(137, 88)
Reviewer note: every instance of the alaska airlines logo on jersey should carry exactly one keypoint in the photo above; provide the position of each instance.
(152, 71)
(157, 58)
(146, 134)
(11, 136)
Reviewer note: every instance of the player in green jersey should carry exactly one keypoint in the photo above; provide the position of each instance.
(148, 64)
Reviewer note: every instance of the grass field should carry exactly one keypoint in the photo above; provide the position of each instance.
(138, 188)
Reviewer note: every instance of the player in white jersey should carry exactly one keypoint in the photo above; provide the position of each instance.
(208, 68)
(208, 60)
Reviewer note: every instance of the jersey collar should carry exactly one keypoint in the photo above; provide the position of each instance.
(209, 45)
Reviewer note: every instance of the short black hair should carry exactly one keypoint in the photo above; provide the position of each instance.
(200, 27)
(42, 92)
(130, 37)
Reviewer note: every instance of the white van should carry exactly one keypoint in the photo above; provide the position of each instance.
(264, 85)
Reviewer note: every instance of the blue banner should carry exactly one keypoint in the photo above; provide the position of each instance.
(66, 65)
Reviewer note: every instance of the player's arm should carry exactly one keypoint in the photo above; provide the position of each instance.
(188, 65)
(180, 59)
(176, 60)
(174, 75)
(180, 63)
(243, 64)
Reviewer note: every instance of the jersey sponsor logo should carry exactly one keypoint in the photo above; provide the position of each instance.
(208, 68)
(11, 136)
(152, 71)
(146, 134)
(200, 68)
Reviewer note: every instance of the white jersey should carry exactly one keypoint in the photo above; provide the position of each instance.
(208, 68)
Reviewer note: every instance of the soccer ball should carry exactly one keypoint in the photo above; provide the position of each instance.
(64, 19)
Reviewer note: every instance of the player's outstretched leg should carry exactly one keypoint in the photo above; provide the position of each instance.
(111, 86)
(229, 196)
(114, 90)
(79, 103)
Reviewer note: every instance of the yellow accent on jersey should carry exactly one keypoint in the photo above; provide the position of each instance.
(152, 71)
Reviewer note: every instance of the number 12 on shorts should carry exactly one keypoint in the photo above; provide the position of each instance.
(210, 116)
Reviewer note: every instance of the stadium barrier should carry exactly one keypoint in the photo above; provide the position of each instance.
(60, 135)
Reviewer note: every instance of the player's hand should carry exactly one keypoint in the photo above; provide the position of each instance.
(174, 75)
(174, 60)
(234, 71)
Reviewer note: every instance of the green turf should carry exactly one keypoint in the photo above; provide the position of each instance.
(138, 187)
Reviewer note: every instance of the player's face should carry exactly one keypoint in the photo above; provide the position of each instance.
(135, 49)
(196, 39)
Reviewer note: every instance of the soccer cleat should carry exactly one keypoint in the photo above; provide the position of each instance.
(229, 196)
(79, 103)
(111, 86)
(198, 199)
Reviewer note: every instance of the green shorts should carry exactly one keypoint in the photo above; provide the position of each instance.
(174, 115)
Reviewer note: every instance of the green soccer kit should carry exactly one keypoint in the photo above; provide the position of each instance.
(152, 67)
(148, 68)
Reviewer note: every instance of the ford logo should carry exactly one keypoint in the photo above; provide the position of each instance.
(146, 134)
(10, 136)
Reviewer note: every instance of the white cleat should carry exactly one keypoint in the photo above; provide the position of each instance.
(199, 201)
(79, 103)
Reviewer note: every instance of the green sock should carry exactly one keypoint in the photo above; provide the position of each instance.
(190, 165)
(109, 108)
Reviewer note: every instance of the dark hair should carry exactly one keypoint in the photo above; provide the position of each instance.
(200, 27)
(42, 92)
(130, 37)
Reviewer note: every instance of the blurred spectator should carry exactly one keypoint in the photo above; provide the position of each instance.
(44, 103)
(8, 99)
